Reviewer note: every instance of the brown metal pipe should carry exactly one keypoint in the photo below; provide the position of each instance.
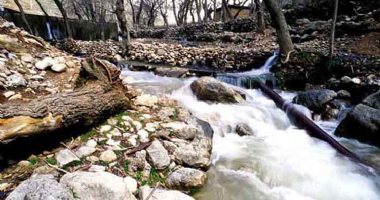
(303, 122)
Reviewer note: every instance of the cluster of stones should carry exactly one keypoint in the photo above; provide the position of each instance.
(205, 32)
(32, 70)
(156, 143)
(212, 57)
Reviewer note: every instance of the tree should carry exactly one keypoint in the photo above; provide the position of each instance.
(122, 19)
(333, 24)
(260, 16)
(23, 17)
(279, 21)
(65, 18)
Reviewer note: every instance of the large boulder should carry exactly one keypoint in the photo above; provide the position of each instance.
(158, 155)
(210, 89)
(41, 187)
(196, 153)
(363, 121)
(186, 179)
(315, 100)
(97, 186)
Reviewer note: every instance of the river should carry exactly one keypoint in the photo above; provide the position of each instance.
(280, 161)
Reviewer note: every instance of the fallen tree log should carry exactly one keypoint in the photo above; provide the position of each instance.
(102, 96)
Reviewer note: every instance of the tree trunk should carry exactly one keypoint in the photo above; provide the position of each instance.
(133, 12)
(120, 14)
(198, 8)
(23, 17)
(214, 10)
(333, 24)
(175, 13)
(279, 21)
(205, 10)
(65, 19)
(138, 16)
(76, 11)
(260, 16)
(83, 107)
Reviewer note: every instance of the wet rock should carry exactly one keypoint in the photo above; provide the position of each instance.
(65, 157)
(315, 99)
(210, 89)
(161, 194)
(243, 129)
(41, 187)
(373, 100)
(361, 123)
(108, 156)
(146, 100)
(343, 94)
(194, 154)
(97, 186)
(186, 178)
(175, 72)
(158, 155)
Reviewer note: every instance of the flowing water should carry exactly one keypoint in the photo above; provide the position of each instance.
(279, 161)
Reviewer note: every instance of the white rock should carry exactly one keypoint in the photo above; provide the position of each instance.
(131, 184)
(92, 159)
(37, 78)
(158, 155)
(97, 168)
(133, 140)
(97, 186)
(151, 127)
(108, 156)
(356, 80)
(143, 135)
(115, 132)
(126, 118)
(160, 194)
(9, 94)
(112, 121)
(91, 143)
(146, 100)
(45, 63)
(84, 151)
(105, 128)
(186, 178)
(112, 142)
(58, 67)
(27, 58)
(16, 80)
(137, 125)
(65, 157)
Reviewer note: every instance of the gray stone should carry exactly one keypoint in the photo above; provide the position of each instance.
(315, 99)
(210, 89)
(84, 151)
(361, 123)
(343, 94)
(41, 187)
(15, 80)
(45, 63)
(146, 100)
(65, 157)
(108, 156)
(373, 100)
(186, 178)
(58, 67)
(97, 186)
(194, 154)
(243, 129)
(161, 194)
(346, 80)
(158, 155)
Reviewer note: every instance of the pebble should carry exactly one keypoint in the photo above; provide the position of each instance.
(97, 168)
(108, 156)
(91, 143)
(105, 128)
(143, 135)
(9, 94)
(137, 125)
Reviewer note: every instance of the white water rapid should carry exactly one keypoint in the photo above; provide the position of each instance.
(279, 161)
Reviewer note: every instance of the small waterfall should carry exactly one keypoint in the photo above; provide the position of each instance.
(246, 79)
(48, 28)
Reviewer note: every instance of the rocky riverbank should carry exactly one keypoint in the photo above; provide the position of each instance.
(155, 148)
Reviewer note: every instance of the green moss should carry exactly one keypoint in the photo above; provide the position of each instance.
(88, 135)
(194, 191)
(51, 160)
(154, 178)
(33, 160)
(175, 114)
(126, 165)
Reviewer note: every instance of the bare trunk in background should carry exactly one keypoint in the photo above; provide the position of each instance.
(122, 19)
(279, 21)
(23, 17)
(333, 24)
(260, 16)
(138, 16)
(65, 18)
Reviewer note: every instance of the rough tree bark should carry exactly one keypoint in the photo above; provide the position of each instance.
(82, 107)
(120, 14)
(279, 21)
(133, 11)
(260, 16)
(333, 24)
(65, 18)
(23, 17)
(138, 16)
